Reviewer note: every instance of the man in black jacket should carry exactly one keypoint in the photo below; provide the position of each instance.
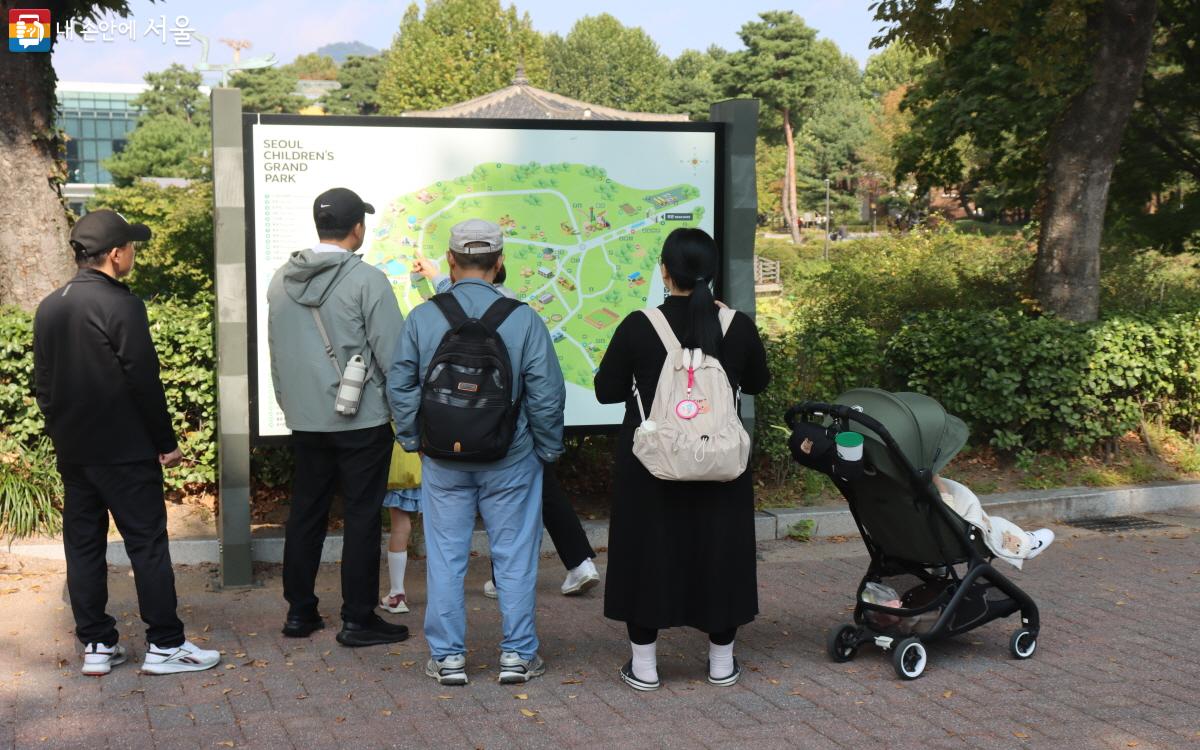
(97, 382)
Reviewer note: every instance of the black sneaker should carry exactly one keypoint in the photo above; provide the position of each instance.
(375, 631)
(302, 627)
(628, 678)
(728, 679)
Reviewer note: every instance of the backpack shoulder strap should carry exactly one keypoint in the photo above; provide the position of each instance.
(333, 360)
(451, 309)
(663, 329)
(726, 316)
(498, 312)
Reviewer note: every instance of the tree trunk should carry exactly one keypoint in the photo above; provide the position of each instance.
(34, 255)
(788, 219)
(790, 198)
(1081, 154)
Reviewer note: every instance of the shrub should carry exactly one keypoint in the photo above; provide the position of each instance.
(1041, 383)
(30, 489)
(183, 336)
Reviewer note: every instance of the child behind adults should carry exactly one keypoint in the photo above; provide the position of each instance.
(1006, 540)
(403, 501)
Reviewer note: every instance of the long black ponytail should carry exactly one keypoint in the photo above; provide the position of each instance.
(690, 256)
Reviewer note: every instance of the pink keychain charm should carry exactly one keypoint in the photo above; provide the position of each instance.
(688, 408)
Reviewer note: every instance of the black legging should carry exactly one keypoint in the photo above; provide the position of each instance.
(645, 636)
(558, 516)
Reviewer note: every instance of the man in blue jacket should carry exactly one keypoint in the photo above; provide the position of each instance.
(507, 492)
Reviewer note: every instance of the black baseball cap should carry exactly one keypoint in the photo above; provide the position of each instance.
(339, 208)
(102, 230)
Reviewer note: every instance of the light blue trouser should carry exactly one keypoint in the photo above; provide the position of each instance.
(510, 501)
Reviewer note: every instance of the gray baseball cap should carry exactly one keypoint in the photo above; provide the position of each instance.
(476, 230)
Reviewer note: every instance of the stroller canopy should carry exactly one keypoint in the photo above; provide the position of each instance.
(926, 434)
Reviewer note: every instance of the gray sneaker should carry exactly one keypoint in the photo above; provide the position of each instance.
(449, 671)
(515, 670)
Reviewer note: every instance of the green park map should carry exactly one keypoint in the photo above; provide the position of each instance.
(579, 248)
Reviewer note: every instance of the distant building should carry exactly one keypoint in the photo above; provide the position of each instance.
(97, 118)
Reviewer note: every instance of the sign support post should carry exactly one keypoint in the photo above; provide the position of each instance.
(233, 384)
(740, 212)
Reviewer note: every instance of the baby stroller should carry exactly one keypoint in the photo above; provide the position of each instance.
(908, 530)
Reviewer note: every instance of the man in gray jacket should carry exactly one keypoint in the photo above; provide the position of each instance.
(327, 306)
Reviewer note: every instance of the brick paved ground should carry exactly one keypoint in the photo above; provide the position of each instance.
(1116, 666)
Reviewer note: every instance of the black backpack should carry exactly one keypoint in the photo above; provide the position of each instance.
(467, 409)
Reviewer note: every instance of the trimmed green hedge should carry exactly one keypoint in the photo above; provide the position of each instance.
(1040, 383)
(183, 335)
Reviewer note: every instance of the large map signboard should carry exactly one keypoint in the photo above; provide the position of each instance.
(584, 209)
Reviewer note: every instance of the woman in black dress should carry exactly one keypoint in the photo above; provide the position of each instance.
(680, 553)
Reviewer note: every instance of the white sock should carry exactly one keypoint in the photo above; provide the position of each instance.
(720, 660)
(645, 661)
(397, 561)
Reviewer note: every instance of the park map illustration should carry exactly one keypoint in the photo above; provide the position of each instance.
(580, 248)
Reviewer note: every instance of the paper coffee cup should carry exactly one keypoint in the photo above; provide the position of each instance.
(849, 446)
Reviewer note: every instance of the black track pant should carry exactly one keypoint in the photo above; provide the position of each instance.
(558, 516)
(133, 493)
(356, 461)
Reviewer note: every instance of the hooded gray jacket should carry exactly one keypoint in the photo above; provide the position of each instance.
(360, 313)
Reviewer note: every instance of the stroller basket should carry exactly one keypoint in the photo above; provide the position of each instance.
(909, 532)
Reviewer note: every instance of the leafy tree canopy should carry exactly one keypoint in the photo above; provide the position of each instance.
(268, 90)
(313, 67)
(691, 86)
(359, 93)
(604, 62)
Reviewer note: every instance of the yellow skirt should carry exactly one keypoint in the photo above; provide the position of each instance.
(405, 470)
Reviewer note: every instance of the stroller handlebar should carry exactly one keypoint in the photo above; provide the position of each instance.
(847, 414)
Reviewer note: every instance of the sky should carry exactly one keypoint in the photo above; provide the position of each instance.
(292, 27)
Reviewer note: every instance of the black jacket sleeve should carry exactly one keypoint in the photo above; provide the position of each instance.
(130, 332)
(41, 374)
(755, 375)
(614, 377)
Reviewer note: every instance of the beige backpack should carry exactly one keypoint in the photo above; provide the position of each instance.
(693, 433)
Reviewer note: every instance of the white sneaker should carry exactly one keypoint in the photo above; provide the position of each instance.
(449, 671)
(514, 669)
(489, 590)
(1042, 538)
(99, 659)
(397, 604)
(582, 577)
(187, 657)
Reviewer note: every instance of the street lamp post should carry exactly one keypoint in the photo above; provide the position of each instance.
(826, 218)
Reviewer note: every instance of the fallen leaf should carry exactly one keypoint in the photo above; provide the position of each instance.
(528, 713)
(571, 682)
(444, 697)
(207, 628)
(1131, 743)
(251, 634)
(407, 664)
(773, 682)
(226, 743)
(948, 694)
(226, 691)
(521, 696)
(1020, 735)
(386, 712)
(339, 720)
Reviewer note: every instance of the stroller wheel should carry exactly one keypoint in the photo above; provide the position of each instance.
(909, 658)
(842, 643)
(1022, 644)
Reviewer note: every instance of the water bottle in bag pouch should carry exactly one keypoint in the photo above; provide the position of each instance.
(349, 394)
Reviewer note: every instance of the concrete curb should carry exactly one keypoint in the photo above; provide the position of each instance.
(1063, 504)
